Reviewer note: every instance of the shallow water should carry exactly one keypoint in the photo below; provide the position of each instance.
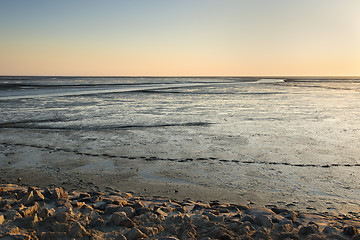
(292, 141)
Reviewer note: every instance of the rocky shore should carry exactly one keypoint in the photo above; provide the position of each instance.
(33, 213)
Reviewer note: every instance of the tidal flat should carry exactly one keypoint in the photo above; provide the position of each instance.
(282, 143)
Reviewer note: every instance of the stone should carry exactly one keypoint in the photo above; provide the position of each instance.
(120, 219)
(77, 204)
(247, 218)
(143, 210)
(96, 219)
(214, 217)
(350, 231)
(45, 213)
(47, 193)
(149, 231)
(138, 204)
(310, 229)
(19, 236)
(173, 238)
(285, 225)
(246, 228)
(101, 205)
(59, 193)
(111, 208)
(315, 237)
(12, 215)
(264, 221)
(28, 199)
(135, 234)
(200, 206)
(64, 215)
(78, 231)
(86, 209)
(38, 196)
(260, 211)
(283, 236)
(330, 230)
(29, 211)
(28, 222)
(261, 235)
(130, 212)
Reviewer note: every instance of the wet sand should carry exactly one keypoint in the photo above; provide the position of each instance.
(42, 163)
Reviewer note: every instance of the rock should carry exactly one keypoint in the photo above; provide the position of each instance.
(86, 209)
(28, 199)
(160, 212)
(64, 215)
(285, 226)
(84, 195)
(28, 222)
(38, 196)
(350, 231)
(310, 229)
(63, 203)
(19, 236)
(143, 210)
(53, 235)
(283, 236)
(248, 218)
(96, 220)
(246, 228)
(120, 219)
(77, 204)
(149, 231)
(134, 234)
(315, 237)
(47, 193)
(101, 205)
(78, 231)
(356, 237)
(200, 206)
(264, 221)
(261, 235)
(111, 208)
(129, 211)
(259, 211)
(59, 193)
(187, 230)
(168, 238)
(29, 211)
(8, 229)
(12, 215)
(45, 213)
(330, 230)
(138, 205)
(214, 217)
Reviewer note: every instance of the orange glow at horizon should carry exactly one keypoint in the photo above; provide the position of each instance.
(206, 38)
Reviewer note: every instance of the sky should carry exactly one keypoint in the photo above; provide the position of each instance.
(180, 37)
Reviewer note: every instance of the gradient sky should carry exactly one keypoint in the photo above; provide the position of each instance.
(185, 37)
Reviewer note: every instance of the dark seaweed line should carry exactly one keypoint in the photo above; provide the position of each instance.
(208, 93)
(179, 160)
(26, 125)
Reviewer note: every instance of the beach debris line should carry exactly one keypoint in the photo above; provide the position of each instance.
(182, 160)
(33, 213)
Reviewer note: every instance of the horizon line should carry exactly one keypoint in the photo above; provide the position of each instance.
(184, 76)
